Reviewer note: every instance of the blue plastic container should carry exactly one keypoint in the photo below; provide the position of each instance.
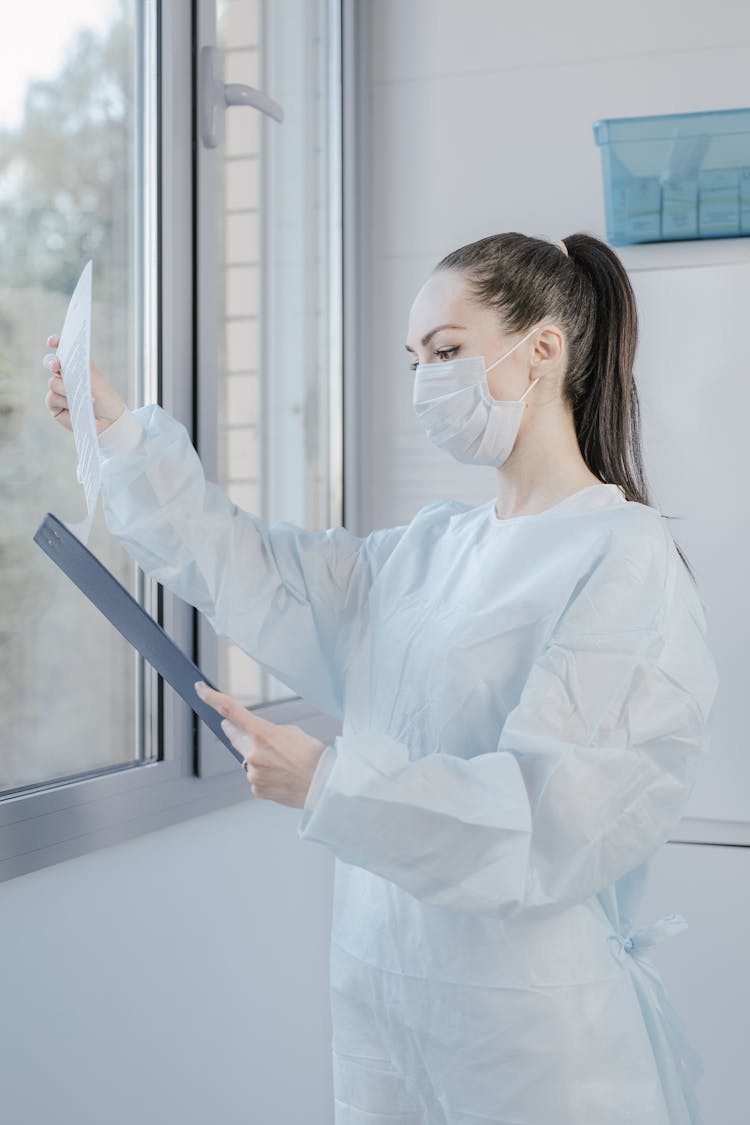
(676, 176)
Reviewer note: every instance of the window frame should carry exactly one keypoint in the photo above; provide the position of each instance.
(47, 824)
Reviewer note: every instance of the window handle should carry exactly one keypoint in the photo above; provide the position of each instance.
(216, 95)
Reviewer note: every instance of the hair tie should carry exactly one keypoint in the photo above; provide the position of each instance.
(559, 242)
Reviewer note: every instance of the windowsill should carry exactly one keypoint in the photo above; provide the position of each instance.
(80, 814)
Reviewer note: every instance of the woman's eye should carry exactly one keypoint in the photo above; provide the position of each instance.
(443, 352)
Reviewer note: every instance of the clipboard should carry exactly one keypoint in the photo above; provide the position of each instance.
(138, 627)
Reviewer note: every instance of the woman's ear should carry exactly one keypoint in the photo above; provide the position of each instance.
(551, 345)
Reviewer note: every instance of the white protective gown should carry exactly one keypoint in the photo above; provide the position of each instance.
(525, 702)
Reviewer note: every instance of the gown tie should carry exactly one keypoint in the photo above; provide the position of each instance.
(655, 1003)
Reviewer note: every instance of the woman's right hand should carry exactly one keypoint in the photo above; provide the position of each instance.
(108, 406)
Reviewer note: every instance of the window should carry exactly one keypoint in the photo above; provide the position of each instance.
(213, 268)
(276, 365)
(74, 130)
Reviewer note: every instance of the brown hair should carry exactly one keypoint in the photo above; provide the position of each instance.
(588, 293)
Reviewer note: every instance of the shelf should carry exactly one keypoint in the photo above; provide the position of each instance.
(686, 254)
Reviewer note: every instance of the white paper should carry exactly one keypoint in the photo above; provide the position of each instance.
(74, 353)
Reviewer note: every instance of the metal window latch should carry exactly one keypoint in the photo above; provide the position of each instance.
(215, 95)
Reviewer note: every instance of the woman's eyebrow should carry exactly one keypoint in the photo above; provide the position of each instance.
(426, 339)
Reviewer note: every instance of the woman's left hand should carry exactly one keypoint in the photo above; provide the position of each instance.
(280, 760)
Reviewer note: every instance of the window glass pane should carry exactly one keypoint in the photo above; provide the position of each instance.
(276, 350)
(70, 126)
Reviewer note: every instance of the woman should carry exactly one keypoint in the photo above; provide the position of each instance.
(525, 688)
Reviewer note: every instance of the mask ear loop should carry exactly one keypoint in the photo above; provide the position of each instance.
(516, 345)
(523, 396)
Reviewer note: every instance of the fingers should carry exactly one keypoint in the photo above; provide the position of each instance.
(52, 363)
(234, 711)
(245, 743)
(220, 702)
(55, 402)
(56, 399)
(241, 739)
(240, 727)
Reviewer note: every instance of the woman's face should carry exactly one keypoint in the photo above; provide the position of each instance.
(444, 301)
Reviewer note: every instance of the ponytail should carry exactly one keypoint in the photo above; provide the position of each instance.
(588, 292)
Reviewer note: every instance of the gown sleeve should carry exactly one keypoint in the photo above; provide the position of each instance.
(292, 599)
(588, 776)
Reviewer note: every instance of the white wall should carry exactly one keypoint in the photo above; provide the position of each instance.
(179, 977)
(482, 122)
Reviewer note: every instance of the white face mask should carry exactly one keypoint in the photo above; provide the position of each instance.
(453, 402)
